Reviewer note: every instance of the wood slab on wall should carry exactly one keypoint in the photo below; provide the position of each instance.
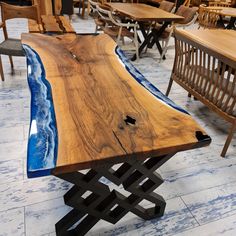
(46, 6)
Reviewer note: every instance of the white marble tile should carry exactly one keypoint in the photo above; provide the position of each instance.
(11, 134)
(197, 178)
(213, 203)
(30, 191)
(223, 227)
(11, 171)
(45, 214)
(13, 150)
(12, 222)
(176, 218)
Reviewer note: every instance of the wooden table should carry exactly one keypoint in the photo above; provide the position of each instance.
(51, 24)
(144, 13)
(94, 110)
(227, 11)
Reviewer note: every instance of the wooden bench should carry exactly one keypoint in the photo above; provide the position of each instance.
(205, 65)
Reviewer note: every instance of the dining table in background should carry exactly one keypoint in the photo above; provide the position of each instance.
(95, 120)
(226, 12)
(144, 14)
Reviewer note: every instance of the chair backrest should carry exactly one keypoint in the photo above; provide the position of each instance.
(167, 6)
(11, 11)
(187, 12)
(93, 4)
(103, 11)
(208, 18)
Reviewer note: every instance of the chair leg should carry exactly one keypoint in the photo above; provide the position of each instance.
(11, 62)
(169, 86)
(136, 43)
(1, 69)
(228, 140)
(83, 9)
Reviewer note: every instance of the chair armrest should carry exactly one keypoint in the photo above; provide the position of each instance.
(1, 24)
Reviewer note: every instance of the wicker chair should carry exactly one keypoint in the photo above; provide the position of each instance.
(10, 46)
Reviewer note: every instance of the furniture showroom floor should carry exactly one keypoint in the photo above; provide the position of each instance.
(200, 186)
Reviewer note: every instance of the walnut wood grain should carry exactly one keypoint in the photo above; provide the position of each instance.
(143, 12)
(92, 95)
(220, 41)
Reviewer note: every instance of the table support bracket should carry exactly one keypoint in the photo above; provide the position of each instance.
(92, 199)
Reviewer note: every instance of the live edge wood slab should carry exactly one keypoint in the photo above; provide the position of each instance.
(91, 109)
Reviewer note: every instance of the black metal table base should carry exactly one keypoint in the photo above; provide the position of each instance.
(92, 199)
(151, 38)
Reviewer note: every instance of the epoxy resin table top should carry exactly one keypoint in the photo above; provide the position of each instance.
(90, 106)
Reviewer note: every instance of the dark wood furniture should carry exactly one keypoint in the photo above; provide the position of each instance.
(205, 65)
(144, 13)
(10, 46)
(91, 109)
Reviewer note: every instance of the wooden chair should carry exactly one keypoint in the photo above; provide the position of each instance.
(190, 16)
(208, 18)
(167, 6)
(99, 22)
(10, 46)
(118, 30)
(207, 75)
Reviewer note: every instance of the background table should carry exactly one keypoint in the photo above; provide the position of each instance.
(143, 14)
(94, 110)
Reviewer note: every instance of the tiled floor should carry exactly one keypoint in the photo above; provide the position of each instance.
(200, 186)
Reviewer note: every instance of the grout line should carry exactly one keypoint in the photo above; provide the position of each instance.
(186, 230)
(24, 223)
(190, 211)
(13, 208)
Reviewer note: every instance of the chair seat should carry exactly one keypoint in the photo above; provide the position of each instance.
(165, 34)
(11, 47)
(114, 31)
(99, 22)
